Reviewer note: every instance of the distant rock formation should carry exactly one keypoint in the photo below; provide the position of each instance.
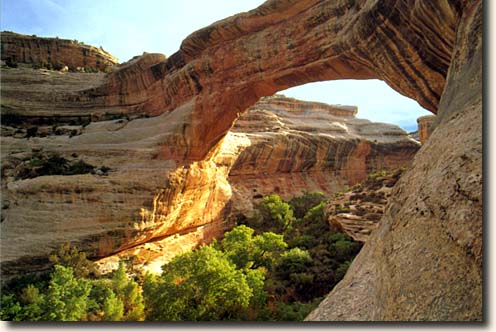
(292, 146)
(425, 127)
(54, 53)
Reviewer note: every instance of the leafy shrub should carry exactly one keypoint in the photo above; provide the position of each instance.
(10, 62)
(247, 250)
(80, 167)
(54, 164)
(295, 311)
(276, 214)
(199, 285)
(69, 294)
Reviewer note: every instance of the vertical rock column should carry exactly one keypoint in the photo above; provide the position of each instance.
(425, 127)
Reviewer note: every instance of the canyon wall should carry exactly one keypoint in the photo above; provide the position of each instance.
(297, 146)
(133, 202)
(54, 52)
(279, 145)
(424, 262)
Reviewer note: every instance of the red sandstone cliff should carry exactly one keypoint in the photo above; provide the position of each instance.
(279, 145)
(54, 52)
(428, 50)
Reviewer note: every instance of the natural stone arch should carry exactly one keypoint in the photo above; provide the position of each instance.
(229, 65)
(424, 262)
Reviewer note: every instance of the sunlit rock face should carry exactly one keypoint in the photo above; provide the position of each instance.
(230, 64)
(424, 262)
(54, 52)
(136, 203)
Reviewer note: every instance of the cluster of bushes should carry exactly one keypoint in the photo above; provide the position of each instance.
(73, 291)
(42, 164)
(12, 63)
(317, 255)
(59, 66)
(276, 265)
(53, 164)
(48, 65)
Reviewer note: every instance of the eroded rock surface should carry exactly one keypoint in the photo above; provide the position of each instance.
(425, 260)
(54, 53)
(294, 146)
(426, 125)
(279, 145)
(357, 212)
(130, 200)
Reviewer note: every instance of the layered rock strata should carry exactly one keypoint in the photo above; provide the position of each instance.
(131, 201)
(425, 127)
(295, 146)
(357, 212)
(54, 52)
(285, 146)
(425, 260)
(229, 65)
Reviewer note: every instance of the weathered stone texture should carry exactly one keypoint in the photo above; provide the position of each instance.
(147, 205)
(293, 146)
(54, 52)
(423, 262)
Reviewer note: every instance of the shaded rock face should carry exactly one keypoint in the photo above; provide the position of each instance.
(425, 260)
(55, 52)
(422, 263)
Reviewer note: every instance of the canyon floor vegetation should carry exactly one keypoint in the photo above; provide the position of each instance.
(274, 266)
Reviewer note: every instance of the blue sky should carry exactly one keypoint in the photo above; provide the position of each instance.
(127, 28)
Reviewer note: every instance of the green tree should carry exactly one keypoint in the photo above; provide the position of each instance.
(295, 311)
(33, 304)
(276, 214)
(113, 308)
(196, 286)
(343, 247)
(293, 261)
(67, 296)
(249, 251)
(257, 308)
(103, 303)
(342, 268)
(129, 294)
(11, 308)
